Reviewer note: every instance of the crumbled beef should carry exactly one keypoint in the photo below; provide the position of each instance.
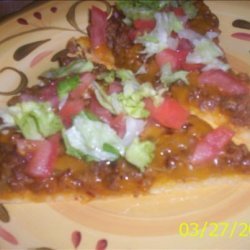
(11, 167)
(237, 155)
(205, 100)
(99, 68)
(238, 109)
(117, 32)
(205, 20)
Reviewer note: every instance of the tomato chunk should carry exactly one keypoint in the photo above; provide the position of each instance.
(224, 81)
(141, 26)
(86, 80)
(97, 28)
(175, 57)
(115, 87)
(102, 113)
(185, 44)
(144, 25)
(70, 109)
(211, 145)
(178, 11)
(40, 154)
(170, 113)
(192, 66)
(118, 123)
(132, 34)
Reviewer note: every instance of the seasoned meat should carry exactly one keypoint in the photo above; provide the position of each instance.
(238, 109)
(117, 32)
(237, 155)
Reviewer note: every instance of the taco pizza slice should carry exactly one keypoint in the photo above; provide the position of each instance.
(146, 100)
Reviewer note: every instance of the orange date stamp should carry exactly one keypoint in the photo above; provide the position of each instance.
(215, 229)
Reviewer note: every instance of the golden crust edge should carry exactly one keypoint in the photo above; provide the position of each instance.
(160, 188)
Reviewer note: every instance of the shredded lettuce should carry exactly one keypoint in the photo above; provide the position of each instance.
(207, 52)
(174, 23)
(130, 101)
(212, 34)
(189, 34)
(168, 77)
(125, 75)
(92, 139)
(133, 105)
(216, 64)
(103, 98)
(76, 67)
(35, 120)
(159, 38)
(133, 89)
(91, 116)
(140, 154)
(204, 52)
(141, 8)
(68, 84)
(7, 119)
(189, 8)
(134, 127)
(141, 70)
(108, 76)
(110, 149)
(134, 9)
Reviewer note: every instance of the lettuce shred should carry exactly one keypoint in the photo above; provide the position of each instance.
(35, 120)
(92, 139)
(76, 67)
(141, 8)
(140, 153)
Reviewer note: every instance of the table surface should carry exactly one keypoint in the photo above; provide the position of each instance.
(10, 7)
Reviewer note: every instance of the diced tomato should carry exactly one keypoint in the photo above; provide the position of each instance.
(86, 80)
(75, 103)
(174, 34)
(211, 145)
(42, 161)
(192, 66)
(224, 81)
(115, 122)
(132, 34)
(97, 28)
(40, 154)
(185, 44)
(141, 26)
(144, 25)
(115, 87)
(118, 123)
(174, 57)
(100, 111)
(170, 113)
(178, 11)
(70, 109)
